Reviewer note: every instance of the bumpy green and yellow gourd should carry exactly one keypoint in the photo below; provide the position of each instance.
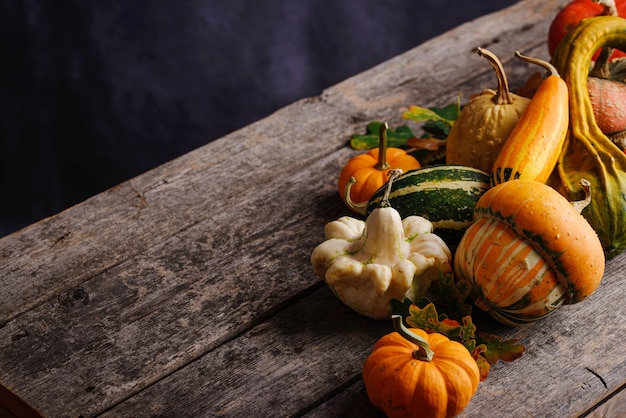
(485, 122)
(588, 153)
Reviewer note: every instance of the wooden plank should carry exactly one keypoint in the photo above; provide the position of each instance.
(305, 353)
(70, 248)
(144, 318)
(301, 356)
(138, 285)
(142, 217)
(614, 406)
(67, 249)
(353, 398)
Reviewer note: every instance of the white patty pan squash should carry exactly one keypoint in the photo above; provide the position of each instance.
(367, 264)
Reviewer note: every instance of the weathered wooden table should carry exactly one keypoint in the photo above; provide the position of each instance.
(188, 291)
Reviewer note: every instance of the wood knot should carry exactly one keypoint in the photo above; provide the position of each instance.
(72, 297)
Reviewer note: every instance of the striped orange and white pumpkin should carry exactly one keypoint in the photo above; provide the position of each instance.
(528, 252)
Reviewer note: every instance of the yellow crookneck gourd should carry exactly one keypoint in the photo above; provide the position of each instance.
(588, 153)
(485, 122)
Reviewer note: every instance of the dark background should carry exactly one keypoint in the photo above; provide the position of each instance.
(94, 92)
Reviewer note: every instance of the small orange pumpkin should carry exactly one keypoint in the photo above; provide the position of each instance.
(411, 373)
(371, 170)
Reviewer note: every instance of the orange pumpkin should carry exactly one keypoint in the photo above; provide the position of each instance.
(411, 373)
(371, 170)
(528, 252)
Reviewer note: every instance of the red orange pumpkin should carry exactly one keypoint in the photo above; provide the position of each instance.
(411, 373)
(371, 170)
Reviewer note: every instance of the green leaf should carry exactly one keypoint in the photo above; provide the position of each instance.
(425, 318)
(451, 112)
(424, 114)
(439, 130)
(401, 307)
(436, 124)
(498, 348)
(395, 138)
(437, 121)
(451, 296)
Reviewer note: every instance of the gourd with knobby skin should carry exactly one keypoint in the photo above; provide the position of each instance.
(485, 122)
(411, 373)
(606, 84)
(588, 153)
(608, 97)
(532, 149)
(529, 252)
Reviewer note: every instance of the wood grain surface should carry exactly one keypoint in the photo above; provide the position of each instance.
(188, 291)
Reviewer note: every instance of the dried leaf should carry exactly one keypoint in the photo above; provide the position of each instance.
(429, 320)
(483, 366)
(498, 349)
(426, 143)
(485, 348)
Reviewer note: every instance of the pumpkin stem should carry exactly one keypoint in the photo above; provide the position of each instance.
(601, 66)
(542, 63)
(360, 207)
(382, 147)
(424, 352)
(610, 9)
(579, 205)
(503, 95)
(619, 139)
(394, 173)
